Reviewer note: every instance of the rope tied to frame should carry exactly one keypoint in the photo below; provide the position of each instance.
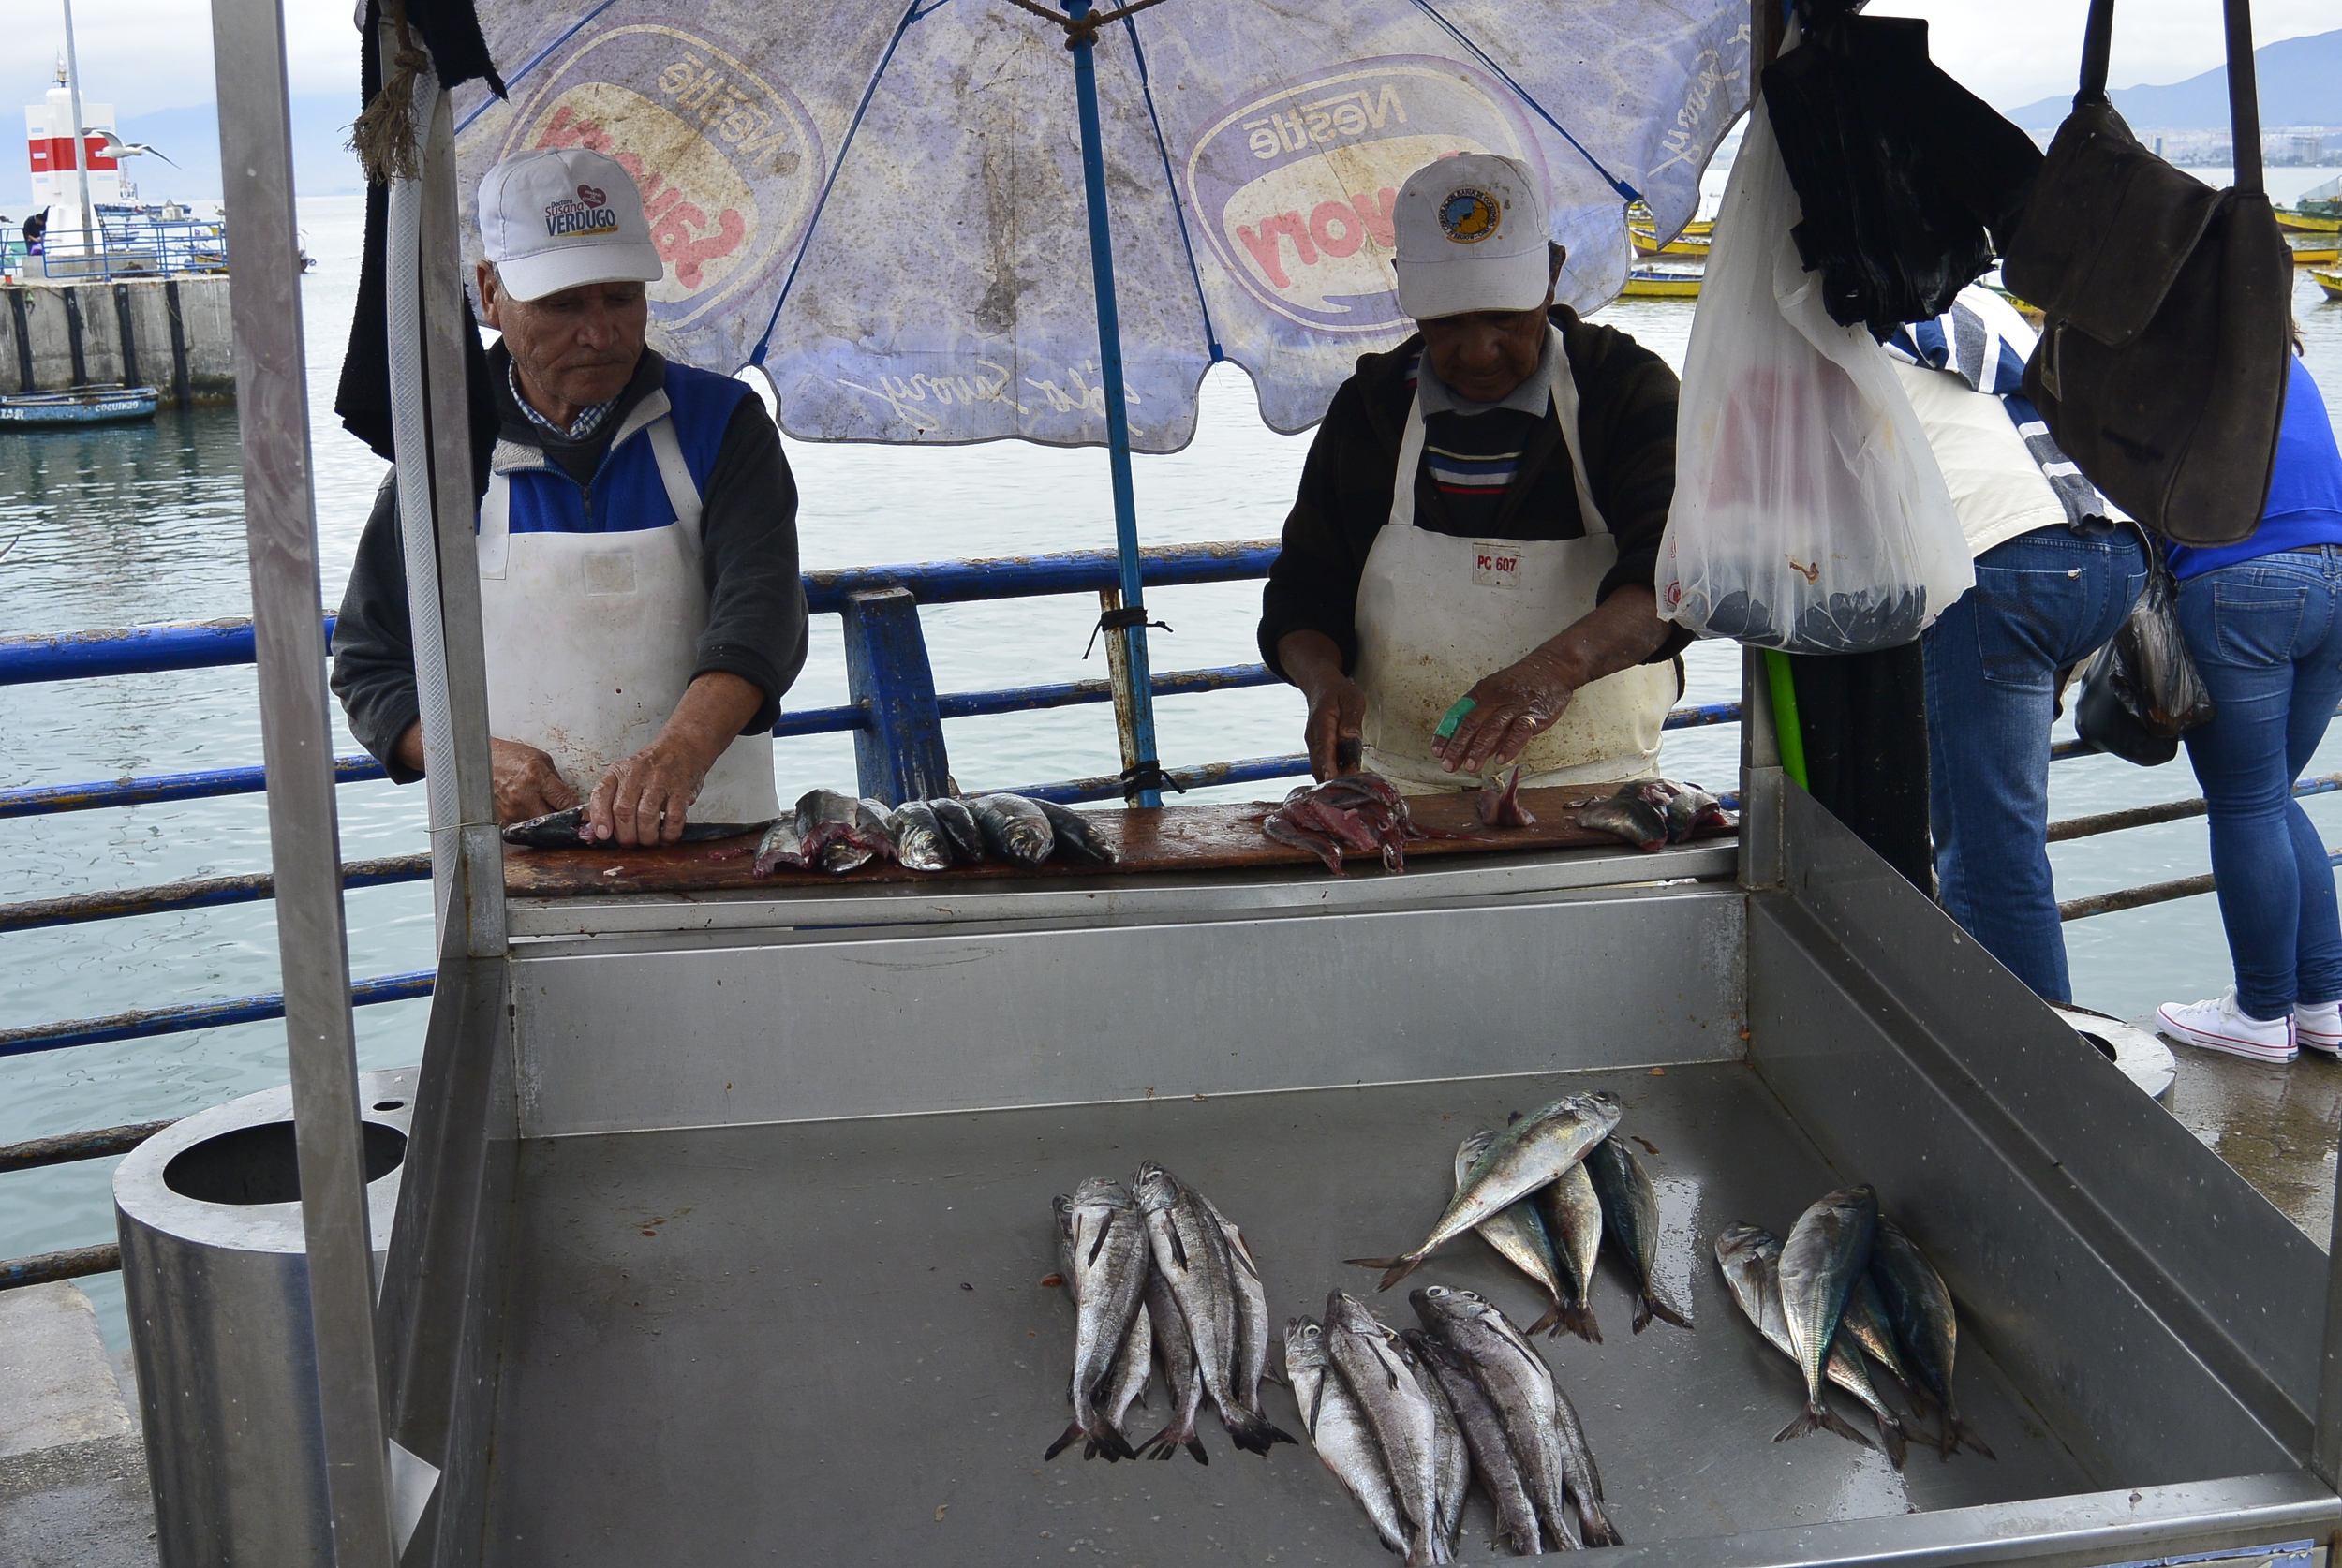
(1120, 620)
(1149, 775)
(384, 135)
(1083, 30)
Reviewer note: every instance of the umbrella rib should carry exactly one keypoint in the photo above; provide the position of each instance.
(535, 60)
(1460, 37)
(1171, 185)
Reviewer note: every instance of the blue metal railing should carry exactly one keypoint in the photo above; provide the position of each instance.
(126, 246)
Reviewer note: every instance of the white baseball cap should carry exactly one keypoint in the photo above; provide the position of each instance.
(1471, 236)
(561, 217)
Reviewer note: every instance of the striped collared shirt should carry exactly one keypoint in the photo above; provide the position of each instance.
(584, 425)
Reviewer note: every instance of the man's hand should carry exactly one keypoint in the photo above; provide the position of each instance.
(1517, 703)
(641, 800)
(1337, 707)
(527, 783)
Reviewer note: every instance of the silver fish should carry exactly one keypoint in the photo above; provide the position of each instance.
(1555, 1463)
(1864, 1323)
(1077, 834)
(1925, 1322)
(1252, 1312)
(1524, 1157)
(1013, 828)
(1751, 1260)
(1829, 1245)
(1627, 817)
(920, 842)
(1447, 1448)
(782, 848)
(1125, 1382)
(1378, 1369)
(959, 825)
(1337, 1428)
(1192, 1255)
(1517, 1233)
(1572, 1212)
(1492, 1457)
(1101, 1234)
(567, 830)
(841, 832)
(1182, 1380)
(1630, 1215)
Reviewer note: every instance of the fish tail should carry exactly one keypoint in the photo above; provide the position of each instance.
(1893, 1440)
(1660, 1306)
(1818, 1417)
(1553, 1321)
(1251, 1431)
(1595, 1525)
(1074, 1434)
(1394, 1269)
(1195, 1446)
(1957, 1432)
(1642, 1312)
(1179, 1434)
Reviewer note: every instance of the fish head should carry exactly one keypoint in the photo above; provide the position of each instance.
(1346, 1313)
(1437, 1304)
(1101, 1193)
(1157, 1188)
(1305, 1345)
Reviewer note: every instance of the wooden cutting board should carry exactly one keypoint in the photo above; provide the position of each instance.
(1171, 838)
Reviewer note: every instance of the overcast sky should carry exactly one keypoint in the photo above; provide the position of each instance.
(149, 54)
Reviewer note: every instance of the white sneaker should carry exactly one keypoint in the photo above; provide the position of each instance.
(2318, 1027)
(2218, 1026)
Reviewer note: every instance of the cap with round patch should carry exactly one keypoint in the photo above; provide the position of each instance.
(1471, 236)
(562, 217)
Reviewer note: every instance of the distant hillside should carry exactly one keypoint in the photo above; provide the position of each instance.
(323, 165)
(2300, 82)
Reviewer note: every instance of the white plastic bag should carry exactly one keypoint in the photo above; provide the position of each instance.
(1809, 512)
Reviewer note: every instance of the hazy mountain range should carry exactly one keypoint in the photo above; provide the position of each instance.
(2300, 82)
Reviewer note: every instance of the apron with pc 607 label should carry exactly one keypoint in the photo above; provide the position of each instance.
(1438, 613)
(592, 638)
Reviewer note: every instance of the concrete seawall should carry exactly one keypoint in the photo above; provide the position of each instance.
(170, 334)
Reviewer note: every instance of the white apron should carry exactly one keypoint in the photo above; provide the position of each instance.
(1436, 614)
(592, 638)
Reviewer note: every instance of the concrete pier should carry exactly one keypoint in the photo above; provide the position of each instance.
(170, 333)
(73, 1488)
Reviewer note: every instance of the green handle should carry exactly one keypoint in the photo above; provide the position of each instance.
(1787, 733)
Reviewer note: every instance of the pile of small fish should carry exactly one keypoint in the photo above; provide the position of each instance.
(1652, 813)
(1405, 1420)
(838, 833)
(1544, 1192)
(1847, 1283)
(1162, 1278)
(1358, 811)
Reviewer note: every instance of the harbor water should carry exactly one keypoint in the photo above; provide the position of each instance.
(142, 523)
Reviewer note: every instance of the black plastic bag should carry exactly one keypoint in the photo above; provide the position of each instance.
(1899, 170)
(2141, 691)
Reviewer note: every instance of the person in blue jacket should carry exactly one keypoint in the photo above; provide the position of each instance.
(2263, 621)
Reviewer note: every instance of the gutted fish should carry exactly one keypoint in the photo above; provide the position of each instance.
(1628, 817)
(782, 848)
(1499, 803)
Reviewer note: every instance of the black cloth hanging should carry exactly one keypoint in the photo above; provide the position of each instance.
(1899, 170)
(1863, 719)
(451, 31)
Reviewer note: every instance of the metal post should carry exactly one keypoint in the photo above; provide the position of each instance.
(81, 150)
(280, 533)
(1134, 699)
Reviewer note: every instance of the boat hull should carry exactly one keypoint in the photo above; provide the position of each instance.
(110, 406)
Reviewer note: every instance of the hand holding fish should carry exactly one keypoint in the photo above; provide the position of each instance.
(525, 781)
(644, 798)
(1337, 720)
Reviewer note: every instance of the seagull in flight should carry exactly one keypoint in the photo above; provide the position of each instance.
(117, 148)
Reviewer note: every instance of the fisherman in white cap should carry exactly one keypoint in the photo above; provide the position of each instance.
(639, 593)
(1466, 573)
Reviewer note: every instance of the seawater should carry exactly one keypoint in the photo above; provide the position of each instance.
(143, 523)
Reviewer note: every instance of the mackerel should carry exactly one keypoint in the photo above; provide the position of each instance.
(1524, 1157)
(1866, 1324)
(1630, 1214)
(1750, 1259)
(1920, 1307)
(1517, 1233)
(1827, 1247)
(1101, 1234)
(1337, 1429)
(1378, 1369)
(1191, 1253)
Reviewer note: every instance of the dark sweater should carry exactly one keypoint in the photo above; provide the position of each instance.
(1627, 399)
(756, 615)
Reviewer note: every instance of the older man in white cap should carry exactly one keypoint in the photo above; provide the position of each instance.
(1466, 573)
(638, 547)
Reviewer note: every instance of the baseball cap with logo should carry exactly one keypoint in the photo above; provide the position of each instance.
(1471, 236)
(561, 217)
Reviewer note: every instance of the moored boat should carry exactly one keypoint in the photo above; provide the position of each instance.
(1659, 283)
(2329, 281)
(94, 404)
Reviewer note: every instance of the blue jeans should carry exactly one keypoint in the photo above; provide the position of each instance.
(2267, 635)
(2042, 601)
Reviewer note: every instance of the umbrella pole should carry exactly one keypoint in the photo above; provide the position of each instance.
(1133, 691)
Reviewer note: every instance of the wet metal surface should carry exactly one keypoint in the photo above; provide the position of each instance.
(2275, 1125)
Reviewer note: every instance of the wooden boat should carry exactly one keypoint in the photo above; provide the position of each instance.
(1647, 242)
(1652, 283)
(2298, 222)
(2316, 255)
(97, 405)
(2330, 282)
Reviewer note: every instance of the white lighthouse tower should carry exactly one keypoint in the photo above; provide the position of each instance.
(50, 130)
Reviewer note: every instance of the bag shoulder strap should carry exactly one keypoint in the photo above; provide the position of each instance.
(2097, 43)
(2243, 100)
